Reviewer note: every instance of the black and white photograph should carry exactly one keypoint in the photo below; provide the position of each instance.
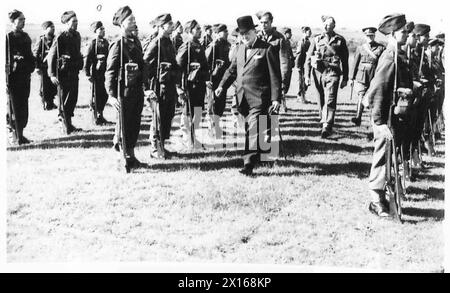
(205, 136)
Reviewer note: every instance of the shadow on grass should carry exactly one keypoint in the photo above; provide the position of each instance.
(435, 214)
(304, 147)
(430, 193)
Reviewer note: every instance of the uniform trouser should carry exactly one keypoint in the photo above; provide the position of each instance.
(302, 87)
(19, 89)
(196, 97)
(100, 93)
(69, 94)
(166, 107)
(132, 110)
(327, 85)
(255, 132)
(288, 80)
(422, 115)
(216, 105)
(361, 90)
(47, 89)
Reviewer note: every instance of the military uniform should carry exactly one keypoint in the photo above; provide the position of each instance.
(328, 55)
(206, 40)
(133, 94)
(97, 55)
(22, 64)
(47, 89)
(177, 41)
(300, 59)
(161, 49)
(64, 62)
(365, 63)
(193, 81)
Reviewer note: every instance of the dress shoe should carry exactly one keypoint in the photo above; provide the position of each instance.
(356, 121)
(247, 170)
(325, 133)
(24, 140)
(378, 209)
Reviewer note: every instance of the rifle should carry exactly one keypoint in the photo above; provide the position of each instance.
(156, 109)
(121, 108)
(211, 91)
(351, 90)
(188, 96)
(94, 88)
(393, 185)
(62, 111)
(12, 107)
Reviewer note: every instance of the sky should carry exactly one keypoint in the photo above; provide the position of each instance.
(351, 14)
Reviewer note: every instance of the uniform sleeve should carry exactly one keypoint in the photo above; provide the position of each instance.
(52, 59)
(112, 69)
(380, 90)
(209, 53)
(344, 59)
(80, 56)
(356, 61)
(204, 65)
(37, 53)
(309, 54)
(90, 57)
(284, 62)
(275, 75)
(182, 59)
(150, 62)
(29, 57)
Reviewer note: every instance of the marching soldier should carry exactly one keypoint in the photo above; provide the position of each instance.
(207, 36)
(256, 69)
(391, 64)
(40, 51)
(20, 64)
(281, 48)
(365, 63)
(217, 55)
(328, 55)
(439, 72)
(163, 74)
(64, 63)
(192, 62)
(95, 68)
(125, 62)
(300, 59)
(177, 38)
(287, 33)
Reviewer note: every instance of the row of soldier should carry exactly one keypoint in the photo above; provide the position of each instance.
(169, 70)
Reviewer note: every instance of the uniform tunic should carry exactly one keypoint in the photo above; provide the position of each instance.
(40, 51)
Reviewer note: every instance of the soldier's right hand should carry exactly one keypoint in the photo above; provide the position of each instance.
(114, 102)
(54, 80)
(352, 82)
(307, 81)
(218, 91)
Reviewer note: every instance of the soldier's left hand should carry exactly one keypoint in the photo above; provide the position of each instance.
(151, 95)
(209, 84)
(275, 108)
(343, 84)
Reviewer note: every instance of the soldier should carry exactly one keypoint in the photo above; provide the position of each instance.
(191, 91)
(95, 68)
(125, 62)
(300, 59)
(20, 64)
(281, 48)
(256, 69)
(380, 94)
(177, 37)
(365, 63)
(153, 33)
(64, 63)
(439, 72)
(207, 36)
(288, 35)
(40, 51)
(163, 74)
(217, 55)
(328, 55)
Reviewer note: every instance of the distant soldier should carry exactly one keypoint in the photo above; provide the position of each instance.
(217, 55)
(163, 75)
(364, 65)
(40, 51)
(287, 32)
(256, 69)
(380, 94)
(20, 64)
(328, 55)
(207, 36)
(300, 59)
(281, 48)
(125, 62)
(439, 72)
(192, 62)
(177, 36)
(95, 68)
(64, 63)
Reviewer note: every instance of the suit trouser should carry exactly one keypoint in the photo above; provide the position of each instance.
(19, 89)
(69, 94)
(255, 131)
(132, 110)
(327, 85)
(361, 90)
(47, 89)
(166, 107)
(100, 93)
(377, 177)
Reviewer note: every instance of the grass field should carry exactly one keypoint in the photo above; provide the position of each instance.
(67, 201)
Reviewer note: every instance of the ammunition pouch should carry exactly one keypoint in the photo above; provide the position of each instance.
(131, 74)
(194, 72)
(404, 102)
(219, 67)
(18, 64)
(101, 63)
(165, 72)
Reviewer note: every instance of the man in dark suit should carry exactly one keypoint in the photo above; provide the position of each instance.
(256, 69)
